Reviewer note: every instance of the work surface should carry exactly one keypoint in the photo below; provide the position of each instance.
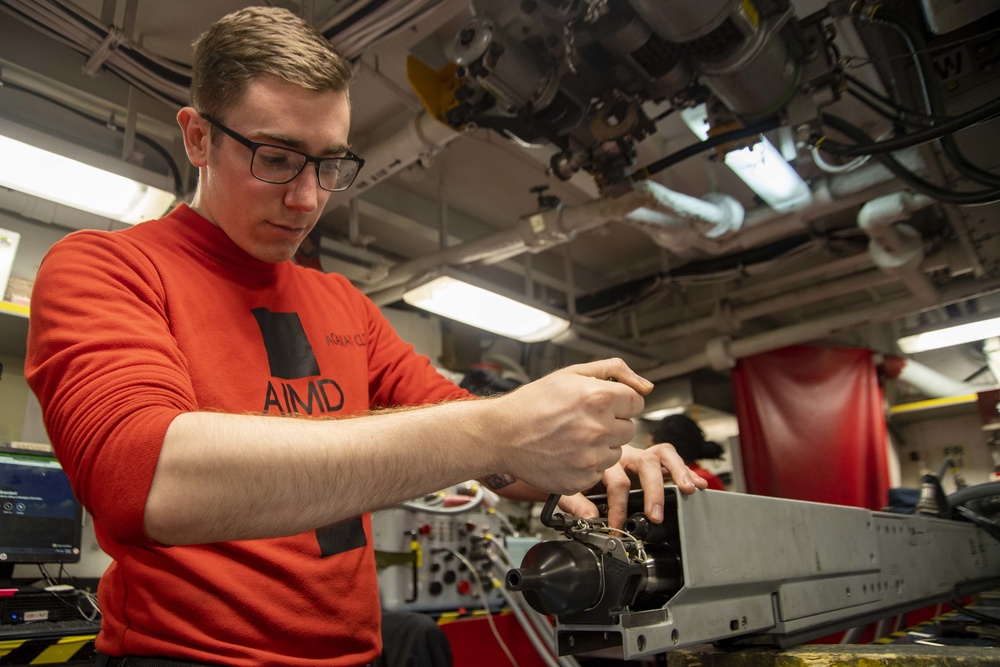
(839, 656)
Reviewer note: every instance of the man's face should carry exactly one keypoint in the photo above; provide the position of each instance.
(269, 221)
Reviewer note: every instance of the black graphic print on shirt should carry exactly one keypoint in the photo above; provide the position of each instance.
(291, 357)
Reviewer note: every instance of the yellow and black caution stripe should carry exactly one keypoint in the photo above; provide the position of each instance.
(54, 651)
(900, 634)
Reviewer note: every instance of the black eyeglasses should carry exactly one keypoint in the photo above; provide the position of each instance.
(278, 165)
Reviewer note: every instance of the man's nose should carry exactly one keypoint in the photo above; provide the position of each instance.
(303, 191)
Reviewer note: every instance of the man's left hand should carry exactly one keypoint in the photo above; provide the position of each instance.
(652, 467)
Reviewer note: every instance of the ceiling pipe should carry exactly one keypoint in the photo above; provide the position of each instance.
(419, 139)
(546, 229)
(896, 248)
(728, 317)
(829, 270)
(723, 352)
(932, 383)
(830, 194)
(679, 221)
(674, 220)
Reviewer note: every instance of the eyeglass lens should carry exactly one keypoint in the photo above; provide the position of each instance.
(277, 165)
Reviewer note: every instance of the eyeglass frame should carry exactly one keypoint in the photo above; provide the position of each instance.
(254, 145)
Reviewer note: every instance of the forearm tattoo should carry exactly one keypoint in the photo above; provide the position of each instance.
(497, 481)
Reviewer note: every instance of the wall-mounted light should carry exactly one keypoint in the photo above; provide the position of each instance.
(50, 168)
(955, 333)
(456, 297)
(761, 167)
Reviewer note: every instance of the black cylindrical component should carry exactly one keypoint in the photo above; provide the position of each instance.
(639, 525)
(559, 577)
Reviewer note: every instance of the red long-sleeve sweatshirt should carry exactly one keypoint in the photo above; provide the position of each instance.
(128, 330)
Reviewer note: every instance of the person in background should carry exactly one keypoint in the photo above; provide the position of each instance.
(689, 440)
(230, 419)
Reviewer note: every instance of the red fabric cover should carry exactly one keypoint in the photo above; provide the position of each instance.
(128, 330)
(812, 427)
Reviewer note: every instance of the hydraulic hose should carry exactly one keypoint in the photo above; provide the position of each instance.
(972, 198)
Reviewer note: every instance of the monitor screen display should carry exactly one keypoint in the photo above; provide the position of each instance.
(40, 518)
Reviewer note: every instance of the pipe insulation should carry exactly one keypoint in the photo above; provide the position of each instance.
(897, 248)
(678, 221)
(763, 225)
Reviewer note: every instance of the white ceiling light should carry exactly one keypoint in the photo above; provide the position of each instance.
(59, 171)
(458, 299)
(760, 166)
(956, 334)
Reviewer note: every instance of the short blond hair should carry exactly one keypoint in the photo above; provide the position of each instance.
(256, 41)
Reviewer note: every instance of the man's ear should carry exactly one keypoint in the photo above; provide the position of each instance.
(197, 136)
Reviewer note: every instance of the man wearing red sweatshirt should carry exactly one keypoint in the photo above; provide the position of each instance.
(230, 419)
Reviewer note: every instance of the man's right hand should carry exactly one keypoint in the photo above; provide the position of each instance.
(568, 427)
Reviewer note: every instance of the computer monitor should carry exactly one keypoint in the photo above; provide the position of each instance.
(40, 518)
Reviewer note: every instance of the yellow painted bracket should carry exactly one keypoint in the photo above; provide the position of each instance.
(435, 88)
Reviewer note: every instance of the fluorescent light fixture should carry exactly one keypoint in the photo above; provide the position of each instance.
(49, 168)
(460, 300)
(966, 332)
(657, 415)
(761, 167)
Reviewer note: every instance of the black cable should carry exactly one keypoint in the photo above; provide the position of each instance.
(160, 150)
(957, 123)
(991, 526)
(896, 106)
(918, 48)
(892, 115)
(971, 198)
(897, 114)
(971, 502)
(946, 465)
(977, 615)
(708, 144)
(972, 493)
